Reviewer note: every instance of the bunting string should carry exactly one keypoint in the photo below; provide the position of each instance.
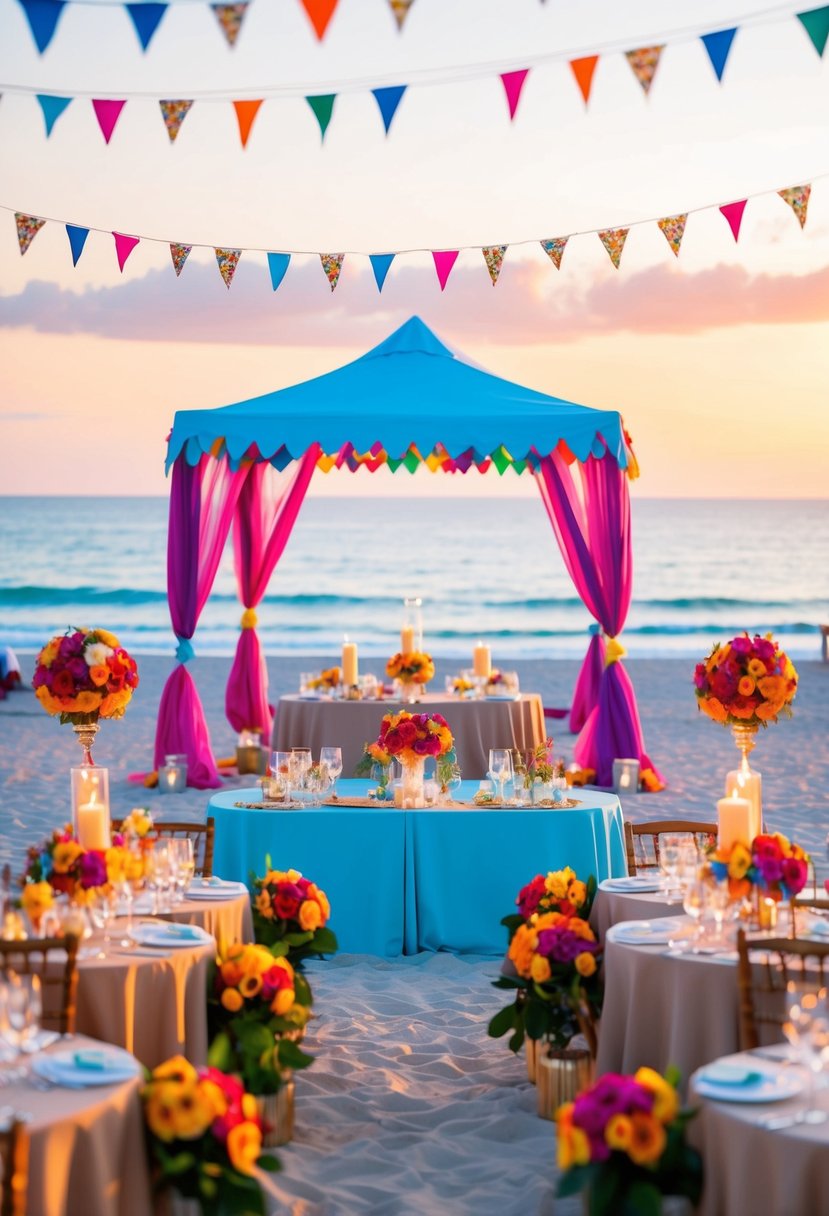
(613, 239)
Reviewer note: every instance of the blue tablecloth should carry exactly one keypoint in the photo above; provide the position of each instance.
(404, 881)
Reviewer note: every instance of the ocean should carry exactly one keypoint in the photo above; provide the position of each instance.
(490, 569)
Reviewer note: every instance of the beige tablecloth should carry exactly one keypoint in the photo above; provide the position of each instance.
(752, 1169)
(476, 725)
(609, 907)
(86, 1146)
(228, 920)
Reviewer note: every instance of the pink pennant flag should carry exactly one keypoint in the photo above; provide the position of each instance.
(124, 246)
(230, 18)
(798, 199)
(644, 63)
(400, 8)
(513, 83)
(28, 226)
(227, 260)
(444, 260)
(613, 240)
(332, 264)
(673, 229)
(494, 258)
(554, 249)
(107, 112)
(733, 212)
(174, 114)
(179, 254)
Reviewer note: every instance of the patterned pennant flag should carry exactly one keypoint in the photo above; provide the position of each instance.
(179, 254)
(613, 240)
(28, 226)
(174, 114)
(400, 9)
(43, 17)
(77, 240)
(230, 18)
(644, 63)
(673, 228)
(444, 260)
(380, 263)
(583, 70)
(319, 13)
(52, 108)
(278, 264)
(718, 46)
(246, 112)
(494, 257)
(733, 212)
(555, 250)
(107, 112)
(388, 100)
(816, 24)
(798, 199)
(124, 246)
(146, 17)
(227, 260)
(332, 264)
(513, 83)
(323, 107)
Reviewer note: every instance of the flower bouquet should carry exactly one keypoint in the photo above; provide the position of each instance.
(204, 1138)
(771, 866)
(558, 891)
(623, 1142)
(410, 738)
(747, 682)
(290, 916)
(65, 865)
(330, 678)
(412, 670)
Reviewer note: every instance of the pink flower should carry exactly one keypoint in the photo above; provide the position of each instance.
(795, 874)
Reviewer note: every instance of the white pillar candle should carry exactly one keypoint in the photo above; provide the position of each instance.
(734, 821)
(90, 807)
(350, 671)
(748, 784)
(482, 661)
(407, 639)
(93, 826)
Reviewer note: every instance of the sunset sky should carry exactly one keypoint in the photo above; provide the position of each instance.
(718, 360)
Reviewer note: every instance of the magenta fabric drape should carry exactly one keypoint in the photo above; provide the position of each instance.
(202, 501)
(591, 520)
(586, 691)
(265, 514)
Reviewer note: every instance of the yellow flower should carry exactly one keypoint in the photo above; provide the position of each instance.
(585, 964)
(310, 915)
(283, 1001)
(263, 905)
(756, 668)
(250, 986)
(540, 969)
(577, 893)
(160, 1111)
(714, 708)
(773, 688)
(87, 702)
(573, 1145)
(618, 1132)
(65, 855)
(745, 686)
(49, 652)
(665, 1097)
(648, 1138)
(557, 882)
(322, 899)
(244, 1142)
(116, 863)
(214, 1096)
(192, 1111)
(232, 1000)
(36, 898)
(114, 705)
(739, 863)
(108, 639)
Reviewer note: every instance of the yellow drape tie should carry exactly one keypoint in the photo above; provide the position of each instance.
(249, 619)
(613, 652)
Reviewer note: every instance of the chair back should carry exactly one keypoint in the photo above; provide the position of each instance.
(14, 1154)
(762, 982)
(202, 835)
(58, 977)
(642, 839)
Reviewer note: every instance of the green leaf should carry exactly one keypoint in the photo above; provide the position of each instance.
(517, 1040)
(536, 1020)
(267, 1161)
(325, 941)
(220, 1053)
(503, 1021)
(292, 1056)
(299, 939)
(644, 1199)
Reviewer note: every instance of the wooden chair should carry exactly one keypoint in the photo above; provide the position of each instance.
(762, 985)
(201, 834)
(58, 984)
(14, 1154)
(703, 831)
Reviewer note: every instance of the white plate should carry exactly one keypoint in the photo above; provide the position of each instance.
(503, 696)
(770, 1087)
(647, 932)
(61, 1069)
(226, 892)
(168, 933)
(631, 886)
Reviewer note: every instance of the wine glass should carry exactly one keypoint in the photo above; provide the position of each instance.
(718, 899)
(185, 864)
(670, 859)
(500, 767)
(807, 1029)
(331, 759)
(105, 911)
(23, 1008)
(298, 765)
(694, 902)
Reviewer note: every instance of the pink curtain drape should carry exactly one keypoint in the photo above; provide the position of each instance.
(202, 501)
(586, 690)
(591, 521)
(265, 514)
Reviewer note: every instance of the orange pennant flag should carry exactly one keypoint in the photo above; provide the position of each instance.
(613, 240)
(246, 112)
(798, 199)
(673, 229)
(583, 70)
(400, 8)
(644, 63)
(320, 13)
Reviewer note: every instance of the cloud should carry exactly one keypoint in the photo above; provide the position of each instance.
(532, 303)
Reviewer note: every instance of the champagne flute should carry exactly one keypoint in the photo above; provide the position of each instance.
(670, 859)
(23, 1012)
(331, 759)
(500, 767)
(105, 909)
(186, 864)
(807, 1029)
(299, 764)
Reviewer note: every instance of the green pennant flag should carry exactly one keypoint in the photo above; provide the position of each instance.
(411, 460)
(816, 24)
(323, 107)
(501, 459)
(394, 463)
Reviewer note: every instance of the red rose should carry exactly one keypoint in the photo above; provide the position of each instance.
(286, 906)
(407, 732)
(392, 742)
(63, 685)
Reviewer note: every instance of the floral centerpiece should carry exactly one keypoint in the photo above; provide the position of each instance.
(623, 1142)
(138, 825)
(204, 1137)
(290, 916)
(330, 678)
(410, 738)
(413, 670)
(748, 682)
(773, 864)
(537, 765)
(375, 762)
(557, 891)
(65, 865)
(83, 676)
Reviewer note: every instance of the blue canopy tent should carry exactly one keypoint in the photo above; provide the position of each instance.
(410, 400)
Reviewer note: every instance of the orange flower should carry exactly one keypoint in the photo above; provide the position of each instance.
(714, 708)
(250, 986)
(540, 969)
(114, 705)
(650, 782)
(521, 950)
(648, 1138)
(99, 675)
(585, 964)
(51, 704)
(773, 688)
(232, 1000)
(745, 686)
(310, 915)
(263, 905)
(244, 1142)
(665, 1097)
(283, 1001)
(756, 668)
(618, 1132)
(742, 708)
(573, 1144)
(767, 711)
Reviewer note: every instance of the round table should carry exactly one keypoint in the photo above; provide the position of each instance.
(477, 725)
(228, 920)
(611, 907)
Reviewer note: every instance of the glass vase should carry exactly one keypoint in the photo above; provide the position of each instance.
(560, 1075)
(412, 781)
(276, 1112)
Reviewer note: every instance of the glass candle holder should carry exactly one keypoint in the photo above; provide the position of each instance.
(172, 778)
(626, 776)
(90, 807)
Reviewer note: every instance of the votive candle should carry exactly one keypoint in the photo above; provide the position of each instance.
(748, 784)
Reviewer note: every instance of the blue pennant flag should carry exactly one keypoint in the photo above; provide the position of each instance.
(277, 264)
(146, 19)
(718, 46)
(52, 108)
(43, 17)
(380, 263)
(77, 240)
(388, 100)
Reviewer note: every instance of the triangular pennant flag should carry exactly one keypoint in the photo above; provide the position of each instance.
(555, 250)
(494, 257)
(583, 70)
(815, 22)
(380, 263)
(227, 260)
(124, 246)
(673, 227)
(332, 264)
(798, 199)
(613, 240)
(179, 254)
(246, 112)
(43, 17)
(513, 83)
(388, 100)
(230, 18)
(28, 226)
(323, 107)
(52, 108)
(277, 264)
(146, 18)
(400, 8)
(644, 63)
(107, 112)
(319, 13)
(718, 46)
(77, 240)
(733, 212)
(174, 114)
(444, 260)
